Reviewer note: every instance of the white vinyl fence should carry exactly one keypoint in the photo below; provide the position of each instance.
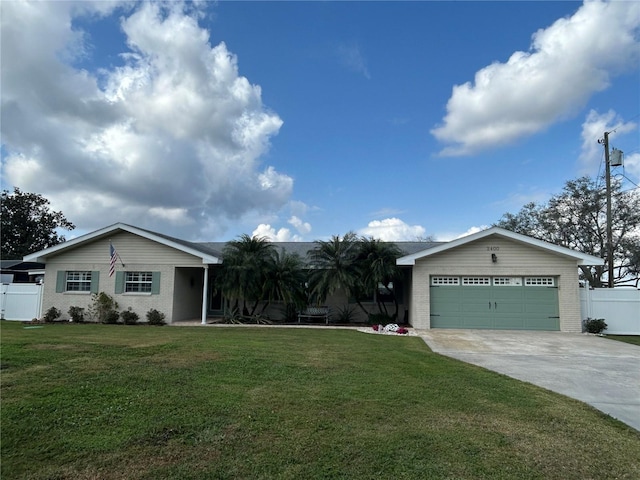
(619, 307)
(20, 301)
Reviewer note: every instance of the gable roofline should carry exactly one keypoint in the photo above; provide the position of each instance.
(581, 258)
(207, 255)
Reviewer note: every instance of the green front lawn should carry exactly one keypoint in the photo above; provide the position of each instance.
(118, 402)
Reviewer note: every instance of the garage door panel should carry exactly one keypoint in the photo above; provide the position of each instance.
(509, 322)
(477, 307)
(473, 321)
(445, 300)
(538, 294)
(543, 324)
(507, 307)
(540, 308)
(447, 321)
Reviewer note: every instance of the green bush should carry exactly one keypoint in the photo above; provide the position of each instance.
(595, 325)
(346, 314)
(129, 317)
(103, 308)
(154, 317)
(76, 314)
(51, 315)
(111, 317)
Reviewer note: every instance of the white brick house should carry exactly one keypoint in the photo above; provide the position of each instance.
(493, 279)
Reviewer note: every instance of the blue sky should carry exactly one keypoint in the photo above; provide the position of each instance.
(302, 120)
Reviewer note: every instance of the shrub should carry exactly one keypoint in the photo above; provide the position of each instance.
(129, 317)
(595, 325)
(76, 314)
(111, 317)
(154, 317)
(346, 314)
(51, 315)
(103, 308)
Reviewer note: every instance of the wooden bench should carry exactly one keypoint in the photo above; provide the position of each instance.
(311, 313)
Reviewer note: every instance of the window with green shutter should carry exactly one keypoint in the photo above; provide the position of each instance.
(138, 282)
(77, 281)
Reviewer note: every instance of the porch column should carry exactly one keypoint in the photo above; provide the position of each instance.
(205, 288)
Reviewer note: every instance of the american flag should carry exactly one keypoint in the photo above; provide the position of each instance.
(112, 260)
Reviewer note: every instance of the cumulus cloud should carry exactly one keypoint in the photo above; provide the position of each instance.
(171, 139)
(392, 230)
(593, 129)
(302, 227)
(566, 64)
(264, 230)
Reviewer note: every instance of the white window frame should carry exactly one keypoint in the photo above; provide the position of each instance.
(138, 282)
(507, 281)
(476, 281)
(539, 282)
(445, 281)
(77, 281)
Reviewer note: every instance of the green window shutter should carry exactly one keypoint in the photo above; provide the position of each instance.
(95, 281)
(119, 282)
(61, 280)
(155, 283)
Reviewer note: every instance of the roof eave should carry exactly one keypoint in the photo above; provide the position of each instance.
(581, 258)
(42, 255)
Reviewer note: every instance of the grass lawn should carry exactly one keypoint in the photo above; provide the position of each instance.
(118, 402)
(633, 339)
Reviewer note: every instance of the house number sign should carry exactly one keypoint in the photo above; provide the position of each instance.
(493, 249)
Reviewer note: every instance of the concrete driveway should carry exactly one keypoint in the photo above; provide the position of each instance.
(603, 373)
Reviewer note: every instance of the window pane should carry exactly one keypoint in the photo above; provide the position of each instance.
(138, 282)
(78, 282)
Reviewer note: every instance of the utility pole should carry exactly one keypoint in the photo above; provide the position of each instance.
(609, 228)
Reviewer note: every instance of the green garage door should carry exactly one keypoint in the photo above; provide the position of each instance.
(502, 303)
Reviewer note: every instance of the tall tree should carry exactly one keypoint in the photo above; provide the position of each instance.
(334, 267)
(377, 262)
(244, 271)
(576, 218)
(285, 280)
(28, 224)
(357, 266)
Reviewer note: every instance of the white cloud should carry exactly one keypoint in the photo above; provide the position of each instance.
(172, 139)
(448, 236)
(281, 235)
(566, 64)
(632, 166)
(392, 230)
(302, 227)
(593, 128)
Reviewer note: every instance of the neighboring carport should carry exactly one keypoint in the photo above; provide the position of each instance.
(601, 372)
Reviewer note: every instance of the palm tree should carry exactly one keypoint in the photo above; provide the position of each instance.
(243, 274)
(377, 262)
(334, 266)
(285, 280)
